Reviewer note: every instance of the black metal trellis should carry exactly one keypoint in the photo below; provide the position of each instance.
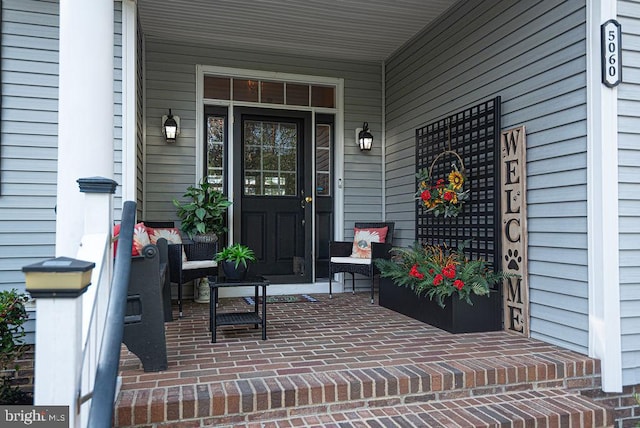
(473, 134)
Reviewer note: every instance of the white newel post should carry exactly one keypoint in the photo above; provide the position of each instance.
(85, 110)
(64, 303)
(58, 284)
(98, 221)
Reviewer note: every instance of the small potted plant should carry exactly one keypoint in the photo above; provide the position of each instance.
(202, 215)
(234, 260)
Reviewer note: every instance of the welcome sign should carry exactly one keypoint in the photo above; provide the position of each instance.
(514, 230)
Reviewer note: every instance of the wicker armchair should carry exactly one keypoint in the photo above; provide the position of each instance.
(341, 260)
(188, 261)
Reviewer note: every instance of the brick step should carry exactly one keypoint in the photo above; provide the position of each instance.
(261, 393)
(342, 355)
(537, 408)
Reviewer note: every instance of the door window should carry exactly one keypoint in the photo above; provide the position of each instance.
(270, 156)
(323, 160)
(215, 151)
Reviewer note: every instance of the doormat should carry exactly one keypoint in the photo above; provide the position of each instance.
(282, 299)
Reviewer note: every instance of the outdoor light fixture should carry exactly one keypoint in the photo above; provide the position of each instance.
(170, 127)
(365, 138)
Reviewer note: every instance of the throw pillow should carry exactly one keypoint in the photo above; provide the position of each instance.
(140, 239)
(362, 239)
(171, 234)
(114, 238)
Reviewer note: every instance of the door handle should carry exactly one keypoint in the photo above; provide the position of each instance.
(306, 201)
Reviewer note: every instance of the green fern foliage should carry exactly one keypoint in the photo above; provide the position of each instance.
(439, 272)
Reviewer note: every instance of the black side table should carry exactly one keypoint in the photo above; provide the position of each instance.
(235, 318)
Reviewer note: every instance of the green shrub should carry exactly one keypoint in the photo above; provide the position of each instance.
(12, 317)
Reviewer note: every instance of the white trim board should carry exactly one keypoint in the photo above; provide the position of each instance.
(602, 207)
(338, 112)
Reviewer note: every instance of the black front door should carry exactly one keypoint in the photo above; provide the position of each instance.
(272, 188)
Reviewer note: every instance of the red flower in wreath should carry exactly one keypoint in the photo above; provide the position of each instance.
(446, 196)
(458, 284)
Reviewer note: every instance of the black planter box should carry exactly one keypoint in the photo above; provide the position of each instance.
(456, 317)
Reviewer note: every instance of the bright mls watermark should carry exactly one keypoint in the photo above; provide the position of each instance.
(34, 416)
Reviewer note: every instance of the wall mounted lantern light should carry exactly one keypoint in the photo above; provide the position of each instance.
(170, 127)
(365, 139)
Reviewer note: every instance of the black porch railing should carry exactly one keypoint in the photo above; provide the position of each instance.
(102, 403)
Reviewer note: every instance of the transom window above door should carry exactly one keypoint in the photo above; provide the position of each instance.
(269, 92)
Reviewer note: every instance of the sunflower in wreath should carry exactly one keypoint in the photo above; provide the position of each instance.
(444, 197)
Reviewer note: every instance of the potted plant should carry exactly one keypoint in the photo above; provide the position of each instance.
(234, 260)
(202, 215)
(423, 282)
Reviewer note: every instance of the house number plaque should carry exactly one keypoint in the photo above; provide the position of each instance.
(611, 53)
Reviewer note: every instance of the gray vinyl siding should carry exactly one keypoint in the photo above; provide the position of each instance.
(170, 83)
(29, 136)
(139, 119)
(532, 54)
(117, 108)
(629, 190)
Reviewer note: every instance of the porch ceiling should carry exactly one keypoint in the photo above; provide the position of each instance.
(369, 30)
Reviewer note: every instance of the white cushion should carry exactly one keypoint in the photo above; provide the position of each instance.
(351, 260)
(199, 264)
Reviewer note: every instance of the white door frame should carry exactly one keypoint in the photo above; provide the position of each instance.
(338, 112)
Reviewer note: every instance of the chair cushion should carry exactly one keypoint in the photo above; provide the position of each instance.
(171, 234)
(351, 260)
(199, 264)
(362, 239)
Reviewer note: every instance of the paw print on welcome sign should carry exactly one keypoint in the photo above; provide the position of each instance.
(513, 260)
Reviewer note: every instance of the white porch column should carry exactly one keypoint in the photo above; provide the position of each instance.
(602, 207)
(85, 110)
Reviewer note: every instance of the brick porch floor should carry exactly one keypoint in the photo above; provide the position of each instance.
(345, 362)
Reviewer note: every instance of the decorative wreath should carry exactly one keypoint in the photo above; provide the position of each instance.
(443, 197)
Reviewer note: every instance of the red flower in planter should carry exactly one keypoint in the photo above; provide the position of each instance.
(458, 284)
(449, 271)
(415, 273)
(437, 280)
